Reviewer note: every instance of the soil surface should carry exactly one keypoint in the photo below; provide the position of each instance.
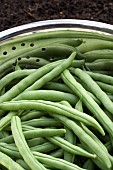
(17, 12)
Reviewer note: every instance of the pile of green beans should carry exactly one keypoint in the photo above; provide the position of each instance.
(56, 101)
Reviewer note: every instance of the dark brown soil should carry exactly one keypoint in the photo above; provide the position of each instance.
(17, 12)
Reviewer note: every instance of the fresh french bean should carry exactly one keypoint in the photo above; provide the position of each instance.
(49, 95)
(22, 145)
(101, 77)
(97, 91)
(43, 122)
(9, 163)
(34, 114)
(98, 54)
(67, 146)
(54, 108)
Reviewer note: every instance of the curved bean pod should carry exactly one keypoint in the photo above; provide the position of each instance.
(57, 154)
(34, 133)
(16, 74)
(97, 91)
(100, 65)
(22, 145)
(42, 122)
(105, 87)
(55, 162)
(94, 44)
(98, 54)
(49, 95)
(101, 77)
(54, 108)
(67, 146)
(32, 115)
(9, 163)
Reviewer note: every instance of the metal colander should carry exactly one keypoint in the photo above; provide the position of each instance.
(21, 41)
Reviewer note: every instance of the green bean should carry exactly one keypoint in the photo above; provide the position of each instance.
(54, 108)
(57, 86)
(52, 74)
(107, 73)
(6, 120)
(16, 74)
(49, 95)
(25, 112)
(89, 102)
(35, 141)
(98, 54)
(11, 151)
(78, 105)
(70, 147)
(105, 87)
(100, 77)
(32, 115)
(55, 162)
(58, 153)
(45, 147)
(42, 122)
(29, 128)
(65, 103)
(101, 60)
(94, 44)
(9, 163)
(100, 65)
(78, 63)
(102, 96)
(38, 132)
(69, 136)
(70, 42)
(22, 145)
(88, 90)
(86, 139)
